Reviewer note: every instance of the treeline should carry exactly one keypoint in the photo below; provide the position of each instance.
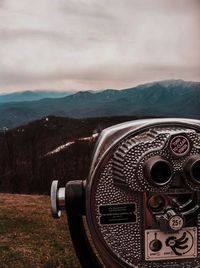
(25, 163)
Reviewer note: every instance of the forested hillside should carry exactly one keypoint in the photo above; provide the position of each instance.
(52, 148)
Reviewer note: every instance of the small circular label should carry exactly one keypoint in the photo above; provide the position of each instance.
(176, 223)
(180, 145)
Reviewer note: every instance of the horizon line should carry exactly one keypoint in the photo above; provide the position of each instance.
(95, 90)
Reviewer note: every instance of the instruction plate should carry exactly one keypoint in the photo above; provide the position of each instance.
(166, 246)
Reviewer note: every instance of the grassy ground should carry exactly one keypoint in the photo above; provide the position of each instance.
(29, 237)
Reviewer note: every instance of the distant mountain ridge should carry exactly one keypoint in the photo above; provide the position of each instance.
(171, 98)
(30, 95)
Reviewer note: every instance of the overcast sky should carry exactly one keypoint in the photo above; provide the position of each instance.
(96, 44)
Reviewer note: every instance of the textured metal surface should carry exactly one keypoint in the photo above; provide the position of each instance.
(121, 239)
(121, 180)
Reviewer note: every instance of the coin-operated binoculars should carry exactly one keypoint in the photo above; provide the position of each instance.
(142, 197)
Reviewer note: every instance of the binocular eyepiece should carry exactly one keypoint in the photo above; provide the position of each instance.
(192, 169)
(141, 199)
(158, 170)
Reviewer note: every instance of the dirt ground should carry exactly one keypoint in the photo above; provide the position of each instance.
(29, 237)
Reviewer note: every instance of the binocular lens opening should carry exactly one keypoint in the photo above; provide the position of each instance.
(195, 171)
(192, 169)
(161, 172)
(158, 170)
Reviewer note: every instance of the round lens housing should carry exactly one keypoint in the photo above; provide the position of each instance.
(158, 171)
(192, 169)
(196, 171)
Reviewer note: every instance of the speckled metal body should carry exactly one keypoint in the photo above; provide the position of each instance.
(117, 177)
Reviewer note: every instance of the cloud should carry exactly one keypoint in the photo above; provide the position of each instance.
(109, 43)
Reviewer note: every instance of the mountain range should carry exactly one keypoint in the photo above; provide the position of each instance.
(171, 98)
(31, 95)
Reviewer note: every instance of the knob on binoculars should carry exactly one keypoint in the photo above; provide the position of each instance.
(141, 200)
